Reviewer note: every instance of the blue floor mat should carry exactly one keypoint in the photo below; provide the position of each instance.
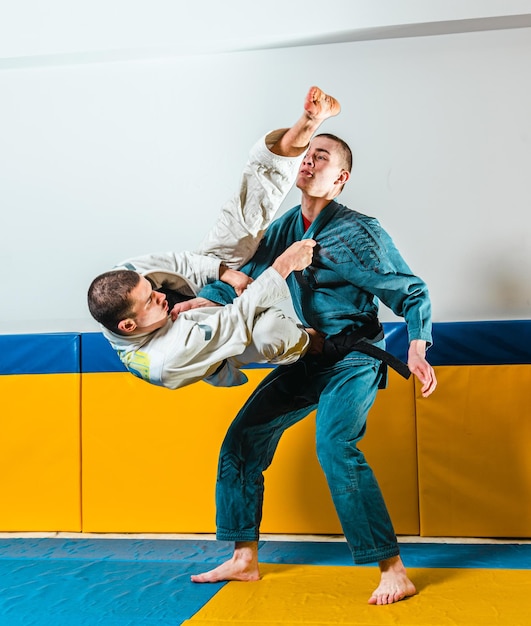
(108, 582)
(57, 582)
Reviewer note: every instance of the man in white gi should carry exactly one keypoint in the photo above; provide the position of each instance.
(170, 347)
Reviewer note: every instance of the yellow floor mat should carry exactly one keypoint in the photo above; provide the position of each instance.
(289, 595)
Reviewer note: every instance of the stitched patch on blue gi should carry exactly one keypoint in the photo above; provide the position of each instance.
(345, 245)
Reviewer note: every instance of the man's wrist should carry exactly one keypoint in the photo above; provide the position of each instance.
(283, 267)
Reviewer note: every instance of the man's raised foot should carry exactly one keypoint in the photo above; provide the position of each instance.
(319, 106)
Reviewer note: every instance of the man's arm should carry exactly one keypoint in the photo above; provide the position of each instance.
(236, 279)
(297, 257)
(390, 279)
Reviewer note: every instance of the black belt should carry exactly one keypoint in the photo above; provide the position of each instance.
(359, 340)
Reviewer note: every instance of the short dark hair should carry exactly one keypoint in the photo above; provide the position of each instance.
(108, 297)
(345, 150)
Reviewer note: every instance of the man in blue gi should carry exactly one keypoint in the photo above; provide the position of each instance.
(355, 265)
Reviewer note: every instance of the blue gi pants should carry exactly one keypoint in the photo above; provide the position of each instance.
(343, 393)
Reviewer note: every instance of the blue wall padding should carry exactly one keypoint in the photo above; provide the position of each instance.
(481, 343)
(396, 339)
(56, 353)
(97, 355)
(469, 343)
(455, 343)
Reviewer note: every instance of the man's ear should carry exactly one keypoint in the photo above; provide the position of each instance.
(127, 326)
(343, 177)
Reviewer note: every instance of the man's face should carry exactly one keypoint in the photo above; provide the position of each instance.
(150, 308)
(321, 174)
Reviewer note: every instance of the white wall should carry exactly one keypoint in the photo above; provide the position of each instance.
(104, 160)
(55, 31)
(174, 26)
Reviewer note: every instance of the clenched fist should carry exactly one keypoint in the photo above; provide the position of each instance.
(298, 256)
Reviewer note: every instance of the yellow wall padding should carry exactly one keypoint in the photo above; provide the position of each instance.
(150, 454)
(297, 499)
(150, 458)
(40, 453)
(474, 438)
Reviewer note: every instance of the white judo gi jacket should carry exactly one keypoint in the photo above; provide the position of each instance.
(212, 343)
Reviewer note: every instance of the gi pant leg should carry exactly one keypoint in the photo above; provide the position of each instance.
(343, 393)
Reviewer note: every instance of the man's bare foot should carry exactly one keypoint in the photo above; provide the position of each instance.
(320, 106)
(394, 583)
(243, 566)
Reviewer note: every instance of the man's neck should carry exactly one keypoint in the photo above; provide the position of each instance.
(312, 207)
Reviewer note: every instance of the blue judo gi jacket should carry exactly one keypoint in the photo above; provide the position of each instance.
(355, 265)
